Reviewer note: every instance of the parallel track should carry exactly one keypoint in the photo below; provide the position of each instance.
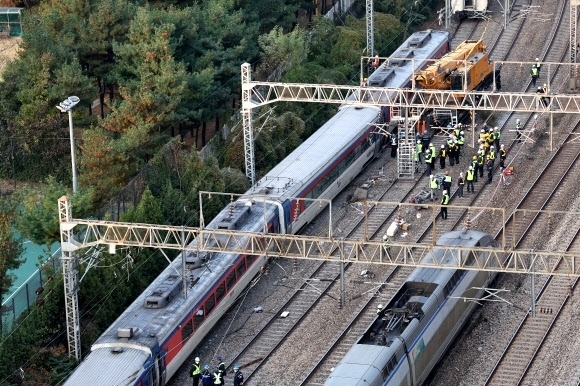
(277, 330)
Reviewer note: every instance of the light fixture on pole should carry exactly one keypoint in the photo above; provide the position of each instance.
(64, 107)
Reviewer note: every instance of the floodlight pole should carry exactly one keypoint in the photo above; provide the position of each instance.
(66, 106)
(72, 152)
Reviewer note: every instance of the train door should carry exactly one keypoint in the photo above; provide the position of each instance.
(158, 373)
(287, 206)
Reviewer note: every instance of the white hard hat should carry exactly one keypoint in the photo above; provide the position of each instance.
(442, 146)
(537, 58)
(495, 128)
(385, 237)
(461, 132)
(518, 120)
(197, 360)
(501, 145)
(380, 306)
(445, 192)
(480, 147)
(418, 141)
(483, 131)
(431, 176)
(461, 174)
(431, 144)
(545, 85)
(491, 147)
(471, 168)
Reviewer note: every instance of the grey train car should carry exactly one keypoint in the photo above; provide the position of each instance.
(153, 337)
(413, 332)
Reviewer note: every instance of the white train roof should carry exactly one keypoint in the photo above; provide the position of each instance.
(317, 153)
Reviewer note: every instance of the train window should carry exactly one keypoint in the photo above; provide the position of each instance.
(198, 318)
(241, 269)
(209, 304)
(251, 259)
(220, 291)
(390, 366)
(187, 330)
(231, 280)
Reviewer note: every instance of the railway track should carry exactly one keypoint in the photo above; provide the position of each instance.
(357, 325)
(277, 330)
(524, 345)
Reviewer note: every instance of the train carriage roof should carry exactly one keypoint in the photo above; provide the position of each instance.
(354, 369)
(318, 152)
(105, 369)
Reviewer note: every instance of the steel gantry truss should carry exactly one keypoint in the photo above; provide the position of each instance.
(77, 234)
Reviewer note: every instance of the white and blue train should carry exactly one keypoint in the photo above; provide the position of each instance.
(147, 344)
(413, 332)
(472, 9)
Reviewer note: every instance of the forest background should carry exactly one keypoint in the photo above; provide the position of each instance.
(160, 70)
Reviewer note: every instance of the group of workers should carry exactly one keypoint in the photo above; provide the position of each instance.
(451, 149)
(489, 141)
(208, 378)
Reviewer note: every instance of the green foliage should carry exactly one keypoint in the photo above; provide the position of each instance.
(176, 177)
(10, 249)
(278, 47)
(38, 217)
(235, 181)
(32, 344)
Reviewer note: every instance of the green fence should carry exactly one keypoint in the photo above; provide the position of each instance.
(10, 20)
(26, 295)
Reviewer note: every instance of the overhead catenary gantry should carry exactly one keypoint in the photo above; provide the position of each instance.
(77, 234)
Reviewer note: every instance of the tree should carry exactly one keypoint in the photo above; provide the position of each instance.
(38, 217)
(10, 248)
(279, 47)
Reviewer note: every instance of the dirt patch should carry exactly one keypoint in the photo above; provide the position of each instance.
(8, 50)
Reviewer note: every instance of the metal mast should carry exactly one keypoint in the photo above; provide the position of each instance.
(370, 29)
(70, 274)
(247, 122)
(573, 27)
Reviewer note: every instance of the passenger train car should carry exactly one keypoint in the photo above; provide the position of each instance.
(148, 343)
(472, 9)
(413, 332)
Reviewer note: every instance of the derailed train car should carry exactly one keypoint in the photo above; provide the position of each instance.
(415, 329)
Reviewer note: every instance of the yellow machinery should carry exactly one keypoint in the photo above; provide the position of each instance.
(468, 64)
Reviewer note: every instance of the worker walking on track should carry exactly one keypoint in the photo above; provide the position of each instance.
(217, 379)
(196, 372)
(474, 168)
(444, 203)
(489, 166)
(460, 185)
(429, 161)
(221, 370)
(206, 377)
(535, 73)
(238, 376)
(469, 178)
(496, 137)
(442, 156)
(433, 185)
(447, 181)
(480, 163)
